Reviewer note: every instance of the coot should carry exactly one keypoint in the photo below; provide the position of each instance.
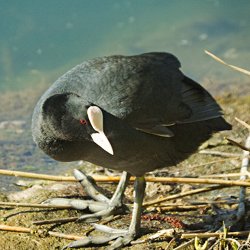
(129, 113)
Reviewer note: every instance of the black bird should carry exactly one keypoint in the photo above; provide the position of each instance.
(130, 113)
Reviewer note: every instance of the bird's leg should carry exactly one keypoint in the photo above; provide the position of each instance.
(135, 224)
(101, 206)
(121, 237)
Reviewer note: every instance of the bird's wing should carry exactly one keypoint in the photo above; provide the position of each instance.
(168, 97)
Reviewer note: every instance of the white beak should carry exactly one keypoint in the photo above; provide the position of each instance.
(96, 119)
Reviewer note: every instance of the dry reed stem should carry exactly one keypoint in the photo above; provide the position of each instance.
(55, 221)
(183, 194)
(184, 245)
(217, 234)
(219, 153)
(238, 144)
(32, 205)
(213, 162)
(117, 178)
(225, 175)
(244, 71)
(65, 236)
(166, 207)
(36, 176)
(243, 123)
(15, 229)
(18, 229)
(228, 202)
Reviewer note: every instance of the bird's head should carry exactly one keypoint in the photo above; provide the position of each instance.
(68, 117)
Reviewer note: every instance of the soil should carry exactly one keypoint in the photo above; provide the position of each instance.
(19, 152)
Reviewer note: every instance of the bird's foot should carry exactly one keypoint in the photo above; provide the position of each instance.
(118, 237)
(100, 206)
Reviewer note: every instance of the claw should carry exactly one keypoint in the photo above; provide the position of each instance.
(120, 242)
(101, 240)
(122, 237)
(110, 230)
(88, 241)
(93, 206)
(101, 207)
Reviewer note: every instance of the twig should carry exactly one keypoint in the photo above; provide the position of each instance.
(51, 233)
(37, 176)
(217, 234)
(218, 153)
(65, 236)
(165, 207)
(54, 221)
(224, 175)
(238, 144)
(214, 202)
(76, 237)
(176, 196)
(29, 230)
(168, 247)
(229, 65)
(15, 229)
(34, 205)
(243, 123)
(184, 245)
(117, 178)
(214, 162)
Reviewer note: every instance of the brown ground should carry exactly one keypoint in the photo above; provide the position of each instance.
(153, 219)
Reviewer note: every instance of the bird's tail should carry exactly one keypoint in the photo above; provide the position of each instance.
(189, 136)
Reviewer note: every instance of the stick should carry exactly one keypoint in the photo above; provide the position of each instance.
(34, 205)
(175, 196)
(243, 123)
(229, 65)
(65, 236)
(117, 178)
(184, 245)
(29, 230)
(53, 221)
(36, 176)
(217, 234)
(218, 153)
(238, 144)
(225, 175)
(15, 229)
(213, 202)
(166, 207)
(76, 237)
(214, 162)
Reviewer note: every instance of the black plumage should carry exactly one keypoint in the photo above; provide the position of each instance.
(153, 115)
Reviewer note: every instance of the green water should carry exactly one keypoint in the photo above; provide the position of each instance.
(39, 40)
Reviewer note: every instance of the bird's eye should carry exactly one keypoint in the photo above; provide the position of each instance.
(83, 121)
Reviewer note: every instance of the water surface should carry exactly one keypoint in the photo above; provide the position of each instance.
(40, 40)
